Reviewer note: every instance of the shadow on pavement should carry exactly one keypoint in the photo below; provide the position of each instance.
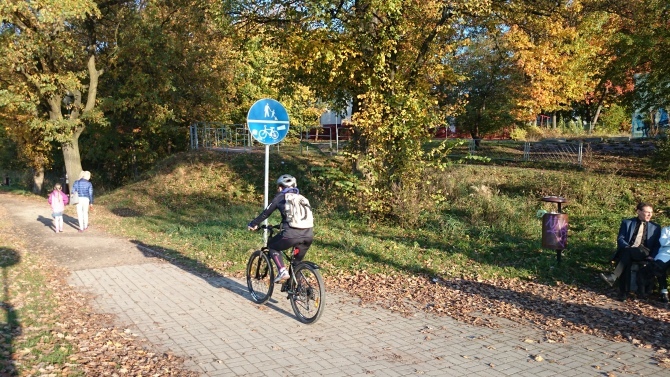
(10, 329)
(212, 277)
(67, 220)
(72, 222)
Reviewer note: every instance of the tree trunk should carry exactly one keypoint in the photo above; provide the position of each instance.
(358, 142)
(474, 132)
(72, 160)
(38, 180)
(553, 120)
(595, 118)
(71, 148)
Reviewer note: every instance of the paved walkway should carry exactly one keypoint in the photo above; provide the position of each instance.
(212, 322)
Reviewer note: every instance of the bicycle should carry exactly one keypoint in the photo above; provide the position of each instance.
(265, 132)
(304, 288)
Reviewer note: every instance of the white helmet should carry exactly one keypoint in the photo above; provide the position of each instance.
(287, 180)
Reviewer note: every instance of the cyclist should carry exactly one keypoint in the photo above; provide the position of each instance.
(300, 239)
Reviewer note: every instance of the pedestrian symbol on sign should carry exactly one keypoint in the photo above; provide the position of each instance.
(269, 112)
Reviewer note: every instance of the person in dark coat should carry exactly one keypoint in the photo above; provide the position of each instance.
(638, 240)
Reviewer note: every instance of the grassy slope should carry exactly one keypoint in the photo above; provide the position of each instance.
(195, 206)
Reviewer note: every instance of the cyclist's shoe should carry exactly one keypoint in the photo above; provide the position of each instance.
(283, 276)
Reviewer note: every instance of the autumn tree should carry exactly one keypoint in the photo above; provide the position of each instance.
(49, 65)
(642, 47)
(262, 73)
(561, 50)
(22, 144)
(489, 84)
(174, 63)
(386, 58)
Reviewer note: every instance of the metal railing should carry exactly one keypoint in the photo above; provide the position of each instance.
(219, 135)
(332, 136)
(558, 151)
(570, 152)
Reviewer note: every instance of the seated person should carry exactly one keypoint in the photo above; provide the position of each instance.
(638, 240)
(659, 268)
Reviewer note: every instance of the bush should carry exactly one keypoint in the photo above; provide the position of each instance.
(615, 119)
(575, 127)
(659, 160)
(518, 134)
(534, 133)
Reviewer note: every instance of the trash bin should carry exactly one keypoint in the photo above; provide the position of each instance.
(555, 227)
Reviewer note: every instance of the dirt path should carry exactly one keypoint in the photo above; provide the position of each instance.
(75, 251)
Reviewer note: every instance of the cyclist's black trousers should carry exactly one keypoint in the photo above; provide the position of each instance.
(281, 242)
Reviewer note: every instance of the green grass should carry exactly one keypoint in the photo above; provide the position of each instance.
(196, 207)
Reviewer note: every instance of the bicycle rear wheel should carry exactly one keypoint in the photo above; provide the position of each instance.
(309, 298)
(260, 277)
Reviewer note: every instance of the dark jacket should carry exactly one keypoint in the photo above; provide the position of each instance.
(651, 240)
(279, 202)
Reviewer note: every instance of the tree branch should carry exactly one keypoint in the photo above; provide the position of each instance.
(94, 75)
(425, 46)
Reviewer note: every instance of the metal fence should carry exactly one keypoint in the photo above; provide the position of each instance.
(236, 136)
(558, 151)
(219, 135)
(329, 136)
(570, 152)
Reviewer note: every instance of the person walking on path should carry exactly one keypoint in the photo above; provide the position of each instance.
(84, 189)
(57, 199)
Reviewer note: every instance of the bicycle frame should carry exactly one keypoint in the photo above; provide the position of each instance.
(289, 256)
(305, 287)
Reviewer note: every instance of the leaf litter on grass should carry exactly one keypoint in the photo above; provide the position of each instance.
(63, 335)
(558, 311)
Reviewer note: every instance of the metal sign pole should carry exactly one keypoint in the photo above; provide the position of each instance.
(267, 185)
(337, 136)
(268, 123)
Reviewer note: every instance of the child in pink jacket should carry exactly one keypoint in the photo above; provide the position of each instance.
(58, 200)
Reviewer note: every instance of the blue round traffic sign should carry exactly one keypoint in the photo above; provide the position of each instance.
(268, 121)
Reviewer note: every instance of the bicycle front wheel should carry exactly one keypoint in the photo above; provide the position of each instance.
(260, 277)
(309, 298)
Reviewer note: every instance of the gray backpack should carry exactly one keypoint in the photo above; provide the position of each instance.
(298, 211)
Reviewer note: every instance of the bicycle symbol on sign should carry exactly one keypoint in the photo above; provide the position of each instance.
(271, 132)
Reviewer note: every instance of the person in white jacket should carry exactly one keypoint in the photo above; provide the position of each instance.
(659, 266)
